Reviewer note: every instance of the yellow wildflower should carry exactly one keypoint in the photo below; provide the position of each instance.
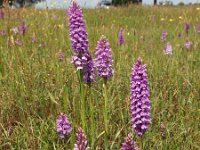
(60, 26)
(162, 19)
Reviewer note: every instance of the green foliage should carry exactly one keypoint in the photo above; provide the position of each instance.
(1, 3)
(20, 2)
(123, 2)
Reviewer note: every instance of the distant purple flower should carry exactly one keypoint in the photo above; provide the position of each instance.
(188, 44)
(179, 35)
(79, 40)
(1, 14)
(121, 37)
(18, 42)
(104, 58)
(15, 30)
(23, 28)
(140, 99)
(187, 27)
(34, 39)
(168, 49)
(164, 36)
(198, 28)
(129, 144)
(3, 33)
(63, 126)
(81, 141)
(61, 56)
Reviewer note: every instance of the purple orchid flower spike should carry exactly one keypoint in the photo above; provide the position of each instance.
(61, 56)
(81, 141)
(18, 42)
(63, 126)
(129, 144)
(164, 36)
(3, 33)
(188, 44)
(104, 59)
(121, 37)
(140, 99)
(187, 28)
(168, 49)
(79, 40)
(23, 28)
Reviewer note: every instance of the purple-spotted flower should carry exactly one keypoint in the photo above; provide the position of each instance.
(3, 33)
(140, 99)
(129, 144)
(81, 141)
(164, 36)
(198, 28)
(121, 37)
(104, 59)
(23, 28)
(63, 126)
(1, 14)
(168, 49)
(79, 40)
(18, 42)
(188, 44)
(61, 56)
(187, 27)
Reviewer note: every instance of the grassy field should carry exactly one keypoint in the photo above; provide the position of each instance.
(35, 86)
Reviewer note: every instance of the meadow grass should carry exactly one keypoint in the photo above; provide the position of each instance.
(35, 86)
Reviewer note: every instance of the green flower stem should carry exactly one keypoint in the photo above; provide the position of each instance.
(92, 132)
(83, 114)
(141, 146)
(106, 120)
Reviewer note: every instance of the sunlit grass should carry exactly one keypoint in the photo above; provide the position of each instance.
(34, 83)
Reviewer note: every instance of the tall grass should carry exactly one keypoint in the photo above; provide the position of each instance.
(35, 86)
